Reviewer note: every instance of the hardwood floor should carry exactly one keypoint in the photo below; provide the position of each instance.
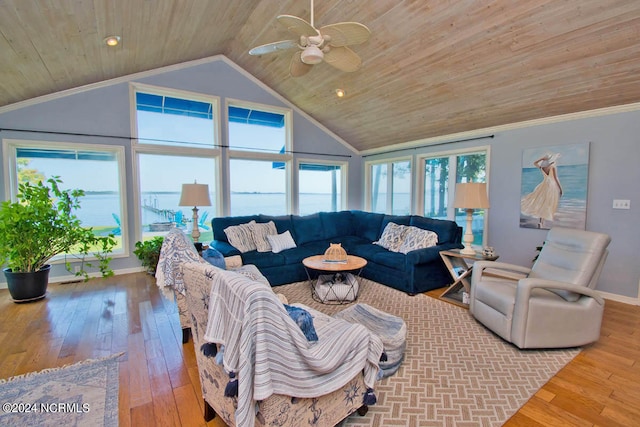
(159, 382)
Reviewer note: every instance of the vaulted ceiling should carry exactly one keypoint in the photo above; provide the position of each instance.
(430, 68)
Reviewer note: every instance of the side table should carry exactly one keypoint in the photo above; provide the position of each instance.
(460, 272)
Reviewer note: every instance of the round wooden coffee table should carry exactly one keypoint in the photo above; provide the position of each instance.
(337, 285)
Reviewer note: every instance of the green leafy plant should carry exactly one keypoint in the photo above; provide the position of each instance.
(42, 224)
(148, 252)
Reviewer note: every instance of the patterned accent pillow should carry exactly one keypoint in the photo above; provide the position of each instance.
(260, 231)
(280, 242)
(214, 257)
(392, 236)
(240, 237)
(417, 238)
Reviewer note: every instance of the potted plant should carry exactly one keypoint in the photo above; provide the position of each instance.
(148, 252)
(39, 226)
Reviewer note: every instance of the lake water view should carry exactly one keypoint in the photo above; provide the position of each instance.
(98, 209)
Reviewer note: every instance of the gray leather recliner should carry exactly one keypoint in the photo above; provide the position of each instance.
(551, 305)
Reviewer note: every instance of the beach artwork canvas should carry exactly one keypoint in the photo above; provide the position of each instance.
(554, 186)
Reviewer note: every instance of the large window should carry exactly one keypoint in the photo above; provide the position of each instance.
(441, 173)
(259, 159)
(257, 186)
(161, 179)
(175, 120)
(389, 187)
(320, 187)
(96, 169)
(176, 143)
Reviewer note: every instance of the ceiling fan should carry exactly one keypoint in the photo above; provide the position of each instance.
(328, 43)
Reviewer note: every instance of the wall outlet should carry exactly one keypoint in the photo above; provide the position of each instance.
(621, 204)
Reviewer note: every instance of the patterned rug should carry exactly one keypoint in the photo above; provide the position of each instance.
(82, 394)
(455, 372)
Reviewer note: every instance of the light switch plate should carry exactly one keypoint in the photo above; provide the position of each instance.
(621, 204)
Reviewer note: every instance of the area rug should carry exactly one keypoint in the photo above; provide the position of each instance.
(82, 394)
(455, 373)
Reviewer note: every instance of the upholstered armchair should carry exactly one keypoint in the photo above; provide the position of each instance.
(551, 305)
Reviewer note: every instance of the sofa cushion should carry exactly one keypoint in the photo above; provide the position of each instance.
(296, 255)
(392, 236)
(336, 224)
(282, 222)
(307, 228)
(394, 260)
(262, 259)
(259, 233)
(446, 230)
(368, 251)
(367, 224)
(241, 237)
(219, 224)
(417, 238)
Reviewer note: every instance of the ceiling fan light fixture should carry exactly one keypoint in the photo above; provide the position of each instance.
(112, 41)
(312, 55)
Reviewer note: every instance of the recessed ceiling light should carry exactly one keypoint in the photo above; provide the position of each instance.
(112, 40)
(340, 93)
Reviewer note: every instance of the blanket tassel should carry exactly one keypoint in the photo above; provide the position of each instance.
(369, 398)
(209, 349)
(231, 390)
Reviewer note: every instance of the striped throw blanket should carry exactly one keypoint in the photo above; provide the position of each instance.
(269, 353)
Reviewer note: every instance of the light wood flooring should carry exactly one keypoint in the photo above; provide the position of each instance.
(159, 383)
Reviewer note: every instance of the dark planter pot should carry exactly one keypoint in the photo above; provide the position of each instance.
(27, 287)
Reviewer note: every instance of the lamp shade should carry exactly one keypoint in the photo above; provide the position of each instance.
(195, 195)
(471, 195)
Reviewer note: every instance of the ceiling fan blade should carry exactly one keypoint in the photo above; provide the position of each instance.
(343, 58)
(346, 33)
(297, 26)
(297, 68)
(273, 47)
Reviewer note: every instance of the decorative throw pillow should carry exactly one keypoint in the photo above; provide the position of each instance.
(392, 236)
(417, 238)
(304, 320)
(233, 261)
(280, 242)
(240, 237)
(260, 231)
(214, 257)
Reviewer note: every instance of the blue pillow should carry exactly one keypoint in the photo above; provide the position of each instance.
(214, 257)
(304, 320)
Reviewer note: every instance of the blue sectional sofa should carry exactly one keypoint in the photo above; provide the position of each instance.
(417, 271)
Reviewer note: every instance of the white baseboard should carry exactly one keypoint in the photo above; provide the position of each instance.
(72, 278)
(620, 298)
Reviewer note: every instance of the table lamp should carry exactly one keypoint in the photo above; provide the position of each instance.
(195, 195)
(470, 196)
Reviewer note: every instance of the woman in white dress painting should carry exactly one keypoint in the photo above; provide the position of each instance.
(542, 202)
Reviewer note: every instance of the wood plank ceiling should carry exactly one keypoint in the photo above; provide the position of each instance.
(430, 68)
